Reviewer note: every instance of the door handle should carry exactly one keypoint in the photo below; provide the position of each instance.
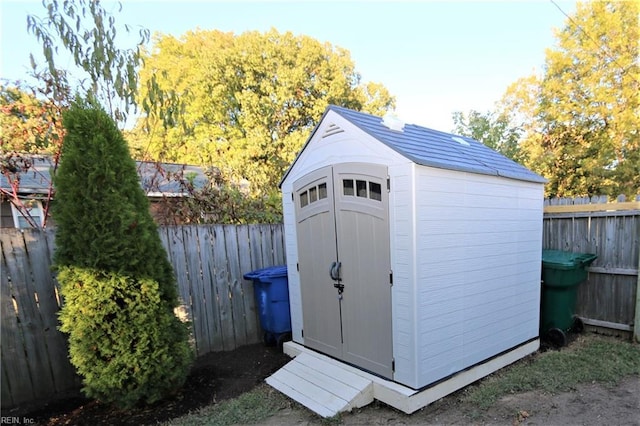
(334, 272)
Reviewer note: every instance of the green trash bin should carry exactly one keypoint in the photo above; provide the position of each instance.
(562, 272)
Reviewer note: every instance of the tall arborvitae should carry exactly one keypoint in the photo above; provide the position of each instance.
(118, 286)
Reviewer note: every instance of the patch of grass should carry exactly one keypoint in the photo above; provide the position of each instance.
(590, 358)
(249, 408)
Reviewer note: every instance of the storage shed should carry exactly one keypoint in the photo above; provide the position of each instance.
(412, 254)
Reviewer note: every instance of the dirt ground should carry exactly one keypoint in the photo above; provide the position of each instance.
(588, 405)
(215, 377)
(223, 375)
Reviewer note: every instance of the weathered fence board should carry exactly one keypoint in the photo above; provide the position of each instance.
(194, 283)
(209, 262)
(34, 352)
(611, 231)
(235, 282)
(48, 306)
(253, 330)
(210, 308)
(14, 362)
(28, 314)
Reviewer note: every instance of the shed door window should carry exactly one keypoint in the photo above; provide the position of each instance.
(362, 189)
(361, 186)
(347, 186)
(375, 191)
(313, 194)
(322, 191)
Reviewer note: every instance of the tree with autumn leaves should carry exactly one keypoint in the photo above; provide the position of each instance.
(249, 100)
(583, 115)
(31, 127)
(578, 123)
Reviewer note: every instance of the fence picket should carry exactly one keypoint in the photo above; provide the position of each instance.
(255, 241)
(16, 382)
(207, 297)
(235, 281)
(33, 332)
(244, 250)
(193, 285)
(62, 372)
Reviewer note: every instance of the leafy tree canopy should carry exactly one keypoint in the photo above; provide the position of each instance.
(581, 118)
(249, 101)
(28, 123)
(88, 32)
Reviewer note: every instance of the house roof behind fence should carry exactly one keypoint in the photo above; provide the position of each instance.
(156, 179)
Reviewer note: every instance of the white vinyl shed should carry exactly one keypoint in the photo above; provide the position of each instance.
(412, 254)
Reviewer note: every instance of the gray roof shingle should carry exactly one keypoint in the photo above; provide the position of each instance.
(433, 148)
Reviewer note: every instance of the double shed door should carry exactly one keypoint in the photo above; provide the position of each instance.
(344, 264)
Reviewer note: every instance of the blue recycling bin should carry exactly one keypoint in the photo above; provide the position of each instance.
(271, 290)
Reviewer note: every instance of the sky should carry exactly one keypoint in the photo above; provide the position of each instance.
(435, 57)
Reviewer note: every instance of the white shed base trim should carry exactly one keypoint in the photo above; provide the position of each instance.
(327, 386)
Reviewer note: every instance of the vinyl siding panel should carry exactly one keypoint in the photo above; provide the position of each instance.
(402, 224)
(479, 241)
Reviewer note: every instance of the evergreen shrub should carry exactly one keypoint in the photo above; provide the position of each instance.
(121, 337)
(118, 286)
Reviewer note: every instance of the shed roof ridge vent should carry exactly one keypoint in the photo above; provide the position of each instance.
(332, 129)
(460, 140)
(392, 121)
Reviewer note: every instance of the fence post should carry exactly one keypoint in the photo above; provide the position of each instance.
(636, 317)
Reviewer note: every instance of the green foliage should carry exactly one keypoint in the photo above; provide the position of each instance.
(108, 252)
(124, 340)
(221, 201)
(580, 118)
(87, 31)
(28, 124)
(229, 204)
(89, 34)
(250, 100)
(101, 211)
(493, 130)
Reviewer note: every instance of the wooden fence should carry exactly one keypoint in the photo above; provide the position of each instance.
(34, 352)
(610, 297)
(209, 261)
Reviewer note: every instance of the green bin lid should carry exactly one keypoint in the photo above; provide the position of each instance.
(558, 259)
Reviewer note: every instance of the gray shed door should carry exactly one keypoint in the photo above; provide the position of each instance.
(344, 262)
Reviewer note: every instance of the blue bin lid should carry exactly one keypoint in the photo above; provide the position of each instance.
(270, 272)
